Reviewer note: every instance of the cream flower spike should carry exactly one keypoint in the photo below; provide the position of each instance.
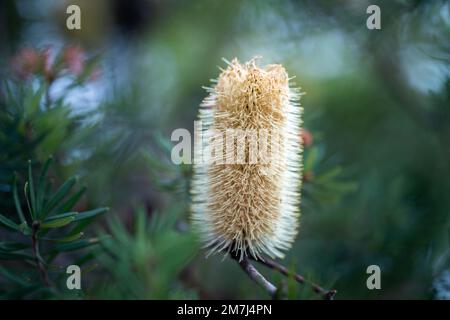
(249, 208)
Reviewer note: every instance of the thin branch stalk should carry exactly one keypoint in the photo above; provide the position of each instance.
(326, 294)
(37, 256)
(256, 276)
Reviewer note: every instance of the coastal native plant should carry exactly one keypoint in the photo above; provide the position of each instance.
(246, 206)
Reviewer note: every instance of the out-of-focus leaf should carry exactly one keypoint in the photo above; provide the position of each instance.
(310, 159)
(26, 191)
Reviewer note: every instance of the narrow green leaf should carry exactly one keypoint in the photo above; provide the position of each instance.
(25, 191)
(9, 223)
(59, 195)
(9, 92)
(90, 213)
(162, 142)
(156, 164)
(13, 246)
(41, 187)
(47, 193)
(15, 256)
(25, 229)
(80, 226)
(57, 223)
(32, 100)
(330, 174)
(12, 277)
(72, 201)
(69, 238)
(17, 201)
(28, 291)
(76, 245)
(85, 258)
(31, 186)
(310, 159)
(61, 216)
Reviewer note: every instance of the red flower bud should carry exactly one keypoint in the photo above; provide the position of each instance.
(26, 62)
(306, 137)
(73, 57)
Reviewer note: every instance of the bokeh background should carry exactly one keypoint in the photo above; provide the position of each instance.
(377, 146)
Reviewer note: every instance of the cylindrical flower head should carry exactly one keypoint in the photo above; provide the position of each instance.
(246, 194)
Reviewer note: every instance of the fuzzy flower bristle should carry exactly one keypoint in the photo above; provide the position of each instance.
(249, 207)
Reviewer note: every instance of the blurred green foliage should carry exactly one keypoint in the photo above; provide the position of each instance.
(151, 257)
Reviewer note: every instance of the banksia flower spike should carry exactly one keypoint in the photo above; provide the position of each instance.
(250, 206)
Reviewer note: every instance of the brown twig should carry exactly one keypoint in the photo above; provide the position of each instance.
(256, 276)
(326, 294)
(37, 256)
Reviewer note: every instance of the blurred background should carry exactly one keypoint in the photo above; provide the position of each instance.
(104, 100)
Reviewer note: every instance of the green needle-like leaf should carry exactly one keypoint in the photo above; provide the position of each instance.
(9, 223)
(61, 216)
(58, 196)
(80, 244)
(90, 214)
(17, 201)
(72, 200)
(69, 238)
(31, 186)
(12, 277)
(59, 220)
(41, 187)
(25, 190)
(25, 229)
